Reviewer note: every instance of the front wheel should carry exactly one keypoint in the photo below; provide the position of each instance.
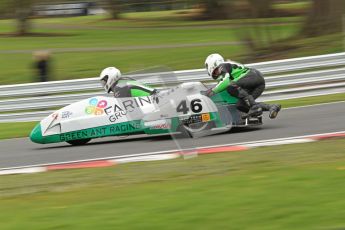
(198, 127)
(79, 142)
(188, 130)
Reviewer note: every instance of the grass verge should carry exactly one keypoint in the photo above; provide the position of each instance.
(22, 129)
(311, 100)
(96, 32)
(89, 64)
(150, 28)
(16, 129)
(282, 187)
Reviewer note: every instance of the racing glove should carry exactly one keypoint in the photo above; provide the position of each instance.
(208, 93)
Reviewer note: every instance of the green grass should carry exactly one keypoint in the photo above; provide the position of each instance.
(23, 129)
(174, 15)
(133, 30)
(91, 32)
(283, 187)
(156, 19)
(84, 38)
(142, 29)
(310, 46)
(90, 64)
(18, 129)
(311, 100)
(293, 5)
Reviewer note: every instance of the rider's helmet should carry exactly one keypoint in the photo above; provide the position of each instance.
(212, 62)
(109, 77)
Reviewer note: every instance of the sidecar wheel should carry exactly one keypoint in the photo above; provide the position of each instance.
(187, 131)
(79, 142)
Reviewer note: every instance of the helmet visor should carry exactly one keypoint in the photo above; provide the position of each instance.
(216, 72)
(104, 80)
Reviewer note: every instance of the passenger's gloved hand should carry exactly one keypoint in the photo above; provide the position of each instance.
(208, 93)
(117, 93)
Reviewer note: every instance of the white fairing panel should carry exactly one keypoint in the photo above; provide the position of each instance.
(95, 112)
(182, 100)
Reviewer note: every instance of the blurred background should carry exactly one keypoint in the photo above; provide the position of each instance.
(297, 186)
(54, 40)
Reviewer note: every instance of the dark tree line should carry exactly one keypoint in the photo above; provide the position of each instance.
(23, 11)
(325, 17)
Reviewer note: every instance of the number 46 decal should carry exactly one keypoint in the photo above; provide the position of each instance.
(195, 106)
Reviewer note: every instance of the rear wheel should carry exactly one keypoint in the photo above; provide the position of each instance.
(79, 142)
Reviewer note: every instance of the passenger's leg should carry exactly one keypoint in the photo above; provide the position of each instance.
(242, 106)
(246, 101)
(256, 81)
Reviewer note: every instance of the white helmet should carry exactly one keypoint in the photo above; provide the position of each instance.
(109, 77)
(212, 62)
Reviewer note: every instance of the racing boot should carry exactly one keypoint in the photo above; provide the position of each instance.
(265, 107)
(255, 109)
(274, 110)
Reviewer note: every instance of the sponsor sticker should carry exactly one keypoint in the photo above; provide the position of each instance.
(101, 131)
(159, 124)
(196, 118)
(162, 126)
(95, 107)
(66, 114)
(124, 107)
(55, 116)
(205, 117)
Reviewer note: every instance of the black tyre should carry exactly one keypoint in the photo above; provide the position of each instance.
(184, 132)
(187, 130)
(79, 142)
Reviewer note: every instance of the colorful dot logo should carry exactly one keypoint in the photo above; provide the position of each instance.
(96, 107)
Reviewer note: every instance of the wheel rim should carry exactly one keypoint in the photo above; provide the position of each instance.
(198, 129)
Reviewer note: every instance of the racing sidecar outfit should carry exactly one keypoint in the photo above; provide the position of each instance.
(246, 84)
(127, 87)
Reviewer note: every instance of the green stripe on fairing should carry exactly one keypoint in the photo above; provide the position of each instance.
(36, 134)
(224, 97)
(139, 93)
(130, 127)
(216, 118)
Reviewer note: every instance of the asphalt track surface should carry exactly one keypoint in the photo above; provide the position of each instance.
(291, 122)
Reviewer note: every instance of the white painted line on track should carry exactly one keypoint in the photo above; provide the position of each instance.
(159, 157)
(282, 142)
(23, 170)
